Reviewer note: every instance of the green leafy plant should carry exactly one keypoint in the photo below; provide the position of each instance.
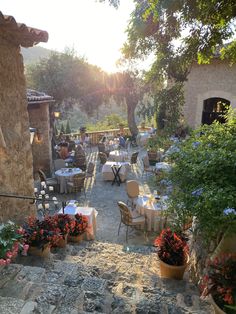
(11, 241)
(203, 177)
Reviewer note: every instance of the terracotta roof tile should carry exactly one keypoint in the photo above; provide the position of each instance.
(26, 36)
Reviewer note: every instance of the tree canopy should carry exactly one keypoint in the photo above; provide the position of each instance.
(177, 33)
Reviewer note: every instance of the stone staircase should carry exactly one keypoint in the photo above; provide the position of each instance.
(95, 277)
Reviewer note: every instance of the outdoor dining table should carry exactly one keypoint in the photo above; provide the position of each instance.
(72, 209)
(118, 155)
(66, 174)
(108, 174)
(153, 211)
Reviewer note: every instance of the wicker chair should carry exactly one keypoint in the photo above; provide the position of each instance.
(134, 159)
(102, 149)
(49, 181)
(77, 183)
(129, 220)
(132, 189)
(103, 158)
(90, 171)
(80, 162)
(146, 166)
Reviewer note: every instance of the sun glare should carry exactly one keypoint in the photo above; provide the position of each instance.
(95, 30)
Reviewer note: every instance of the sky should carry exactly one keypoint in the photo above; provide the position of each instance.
(95, 30)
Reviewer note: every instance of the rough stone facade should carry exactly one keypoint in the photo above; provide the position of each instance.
(217, 79)
(16, 171)
(39, 118)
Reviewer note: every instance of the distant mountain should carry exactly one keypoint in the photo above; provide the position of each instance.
(34, 54)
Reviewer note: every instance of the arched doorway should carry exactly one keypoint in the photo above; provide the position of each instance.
(213, 109)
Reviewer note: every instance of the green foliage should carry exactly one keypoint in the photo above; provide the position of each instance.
(109, 122)
(68, 129)
(62, 129)
(8, 236)
(204, 178)
(177, 33)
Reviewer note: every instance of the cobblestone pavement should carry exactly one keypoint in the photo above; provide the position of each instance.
(103, 276)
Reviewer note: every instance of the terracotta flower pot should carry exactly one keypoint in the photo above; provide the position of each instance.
(42, 252)
(62, 242)
(217, 309)
(75, 239)
(171, 271)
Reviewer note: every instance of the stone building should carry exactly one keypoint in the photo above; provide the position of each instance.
(16, 163)
(40, 119)
(209, 86)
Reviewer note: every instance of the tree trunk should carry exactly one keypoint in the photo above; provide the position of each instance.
(131, 105)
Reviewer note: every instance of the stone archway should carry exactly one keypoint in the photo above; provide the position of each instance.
(213, 109)
(201, 97)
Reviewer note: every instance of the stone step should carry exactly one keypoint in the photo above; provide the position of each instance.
(95, 278)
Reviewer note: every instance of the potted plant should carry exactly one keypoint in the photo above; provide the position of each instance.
(39, 235)
(62, 227)
(172, 250)
(11, 242)
(77, 228)
(220, 283)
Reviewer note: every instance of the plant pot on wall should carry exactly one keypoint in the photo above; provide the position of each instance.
(171, 271)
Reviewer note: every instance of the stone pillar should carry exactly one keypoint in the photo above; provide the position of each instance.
(16, 168)
(39, 118)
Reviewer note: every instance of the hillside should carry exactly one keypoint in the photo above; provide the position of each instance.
(34, 54)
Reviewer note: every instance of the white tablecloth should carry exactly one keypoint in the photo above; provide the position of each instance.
(153, 212)
(107, 173)
(89, 212)
(65, 174)
(118, 155)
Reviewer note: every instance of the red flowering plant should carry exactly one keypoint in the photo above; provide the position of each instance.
(172, 247)
(61, 225)
(78, 225)
(39, 233)
(220, 282)
(11, 242)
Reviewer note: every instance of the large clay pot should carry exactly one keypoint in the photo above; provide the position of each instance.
(215, 306)
(62, 242)
(75, 239)
(171, 271)
(42, 252)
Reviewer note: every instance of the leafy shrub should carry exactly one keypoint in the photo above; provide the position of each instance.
(204, 178)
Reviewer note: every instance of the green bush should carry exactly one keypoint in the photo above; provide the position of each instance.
(204, 178)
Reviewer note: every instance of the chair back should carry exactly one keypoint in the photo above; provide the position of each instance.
(103, 157)
(42, 175)
(101, 147)
(80, 162)
(59, 163)
(134, 158)
(126, 217)
(78, 181)
(90, 168)
(146, 162)
(132, 188)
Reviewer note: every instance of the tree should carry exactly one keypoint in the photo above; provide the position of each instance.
(68, 129)
(69, 79)
(62, 129)
(178, 33)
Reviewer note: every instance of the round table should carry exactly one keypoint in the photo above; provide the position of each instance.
(118, 155)
(65, 174)
(153, 211)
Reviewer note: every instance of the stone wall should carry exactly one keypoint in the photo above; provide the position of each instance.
(205, 81)
(42, 153)
(16, 170)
